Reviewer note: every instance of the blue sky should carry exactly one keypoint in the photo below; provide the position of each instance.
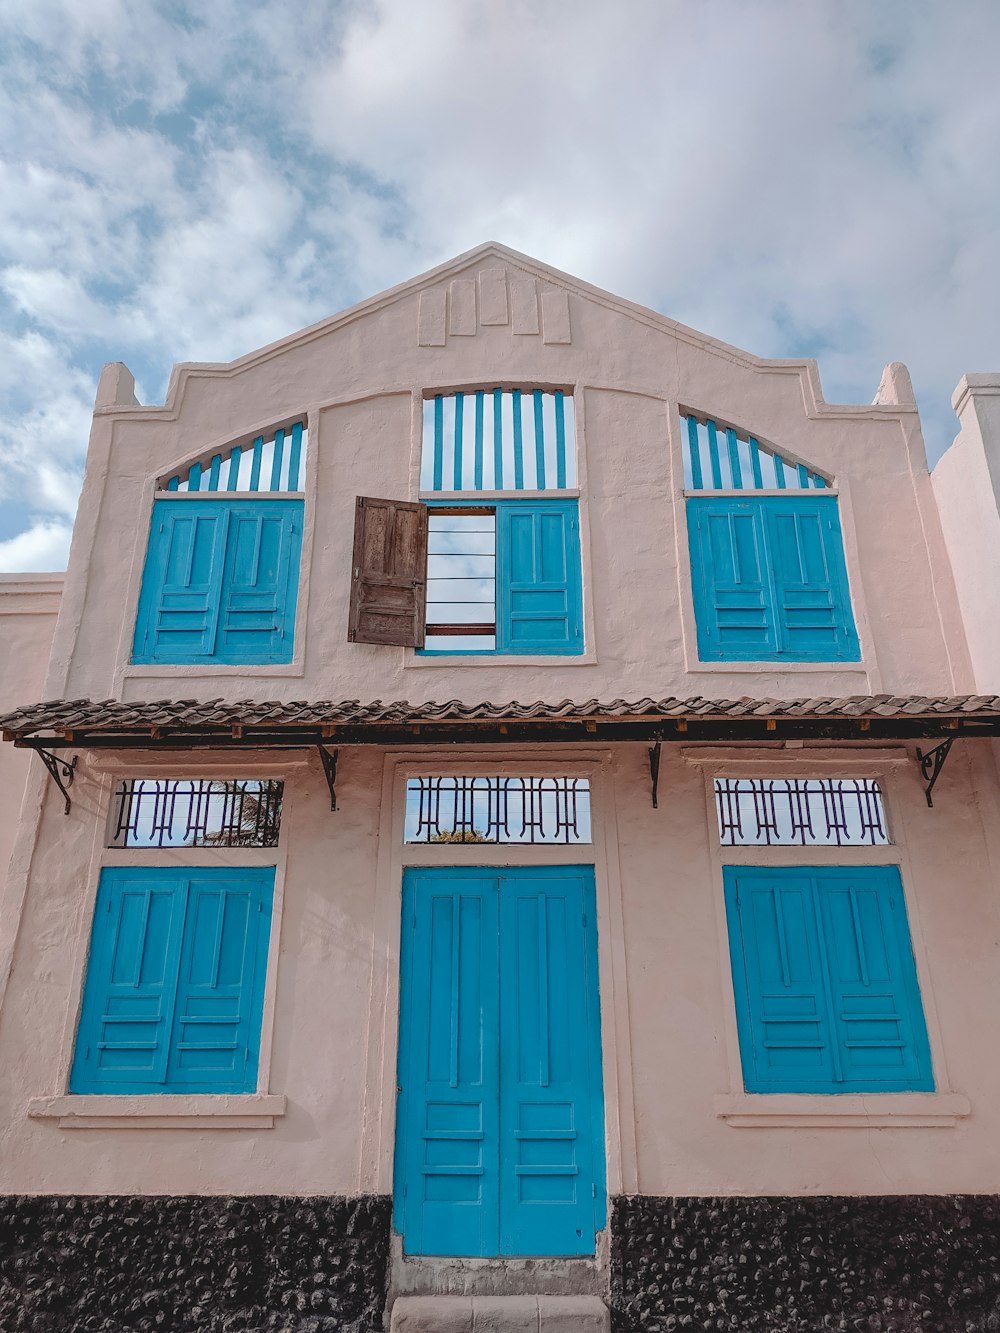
(188, 182)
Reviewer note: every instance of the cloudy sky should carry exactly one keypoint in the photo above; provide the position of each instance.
(187, 181)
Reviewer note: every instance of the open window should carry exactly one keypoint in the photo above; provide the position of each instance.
(479, 579)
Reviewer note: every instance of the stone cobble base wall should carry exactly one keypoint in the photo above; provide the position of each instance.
(889, 1264)
(192, 1264)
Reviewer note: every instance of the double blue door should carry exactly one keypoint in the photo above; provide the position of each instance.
(500, 1125)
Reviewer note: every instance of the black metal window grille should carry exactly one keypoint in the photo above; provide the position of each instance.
(196, 812)
(461, 580)
(800, 812)
(498, 810)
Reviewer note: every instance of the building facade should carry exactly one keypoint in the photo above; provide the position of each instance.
(513, 838)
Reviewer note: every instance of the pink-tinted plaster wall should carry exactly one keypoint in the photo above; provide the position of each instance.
(677, 1120)
(29, 604)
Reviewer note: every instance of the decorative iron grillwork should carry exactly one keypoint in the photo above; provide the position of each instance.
(498, 810)
(196, 812)
(800, 812)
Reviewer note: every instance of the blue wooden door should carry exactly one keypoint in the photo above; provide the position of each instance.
(500, 1126)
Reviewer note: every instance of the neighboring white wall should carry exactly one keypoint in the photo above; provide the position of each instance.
(29, 604)
(966, 482)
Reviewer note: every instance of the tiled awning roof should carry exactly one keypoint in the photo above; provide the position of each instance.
(187, 723)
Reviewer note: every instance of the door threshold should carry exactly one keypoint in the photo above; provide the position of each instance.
(443, 1275)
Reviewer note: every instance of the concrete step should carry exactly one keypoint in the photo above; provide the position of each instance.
(499, 1314)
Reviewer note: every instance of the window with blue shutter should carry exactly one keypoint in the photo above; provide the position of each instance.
(175, 981)
(770, 580)
(505, 578)
(539, 595)
(220, 582)
(827, 998)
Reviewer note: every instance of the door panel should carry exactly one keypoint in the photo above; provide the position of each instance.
(547, 1085)
(447, 1109)
(499, 1141)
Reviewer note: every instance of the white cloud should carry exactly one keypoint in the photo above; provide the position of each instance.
(192, 182)
(42, 548)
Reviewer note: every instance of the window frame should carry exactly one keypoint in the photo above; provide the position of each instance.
(197, 1110)
(127, 669)
(562, 500)
(867, 676)
(903, 799)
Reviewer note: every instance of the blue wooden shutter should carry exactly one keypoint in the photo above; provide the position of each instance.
(179, 604)
(877, 1013)
(813, 605)
(539, 594)
(220, 991)
(782, 1006)
(827, 998)
(260, 582)
(448, 1110)
(552, 1191)
(124, 1031)
(729, 571)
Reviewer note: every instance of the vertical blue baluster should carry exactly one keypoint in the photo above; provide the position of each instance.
(234, 469)
(173, 483)
(438, 481)
(279, 449)
(258, 449)
(477, 475)
(539, 443)
(803, 476)
(459, 421)
(498, 439)
(713, 455)
(518, 445)
(214, 470)
(560, 441)
(818, 481)
(295, 457)
(758, 479)
(734, 460)
(694, 453)
(779, 471)
(194, 477)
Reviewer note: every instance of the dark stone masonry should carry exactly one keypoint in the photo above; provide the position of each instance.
(890, 1264)
(99, 1264)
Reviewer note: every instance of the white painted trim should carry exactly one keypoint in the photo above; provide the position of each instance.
(223, 494)
(753, 493)
(161, 1111)
(375, 1173)
(473, 498)
(886, 1110)
(415, 659)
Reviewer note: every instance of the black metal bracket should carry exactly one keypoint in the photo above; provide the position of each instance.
(328, 758)
(654, 770)
(61, 771)
(931, 765)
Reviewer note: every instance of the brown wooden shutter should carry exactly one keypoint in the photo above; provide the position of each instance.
(390, 573)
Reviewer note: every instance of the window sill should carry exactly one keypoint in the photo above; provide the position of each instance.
(414, 659)
(182, 669)
(161, 1110)
(874, 1110)
(761, 665)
